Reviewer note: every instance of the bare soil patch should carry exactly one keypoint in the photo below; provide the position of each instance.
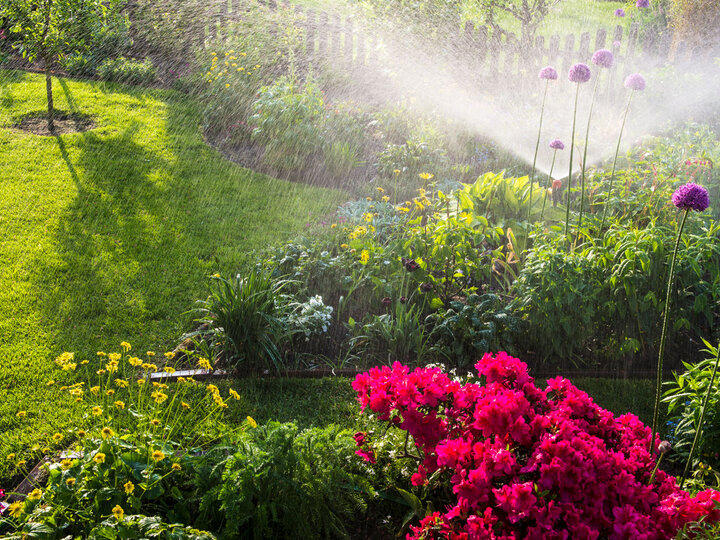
(37, 124)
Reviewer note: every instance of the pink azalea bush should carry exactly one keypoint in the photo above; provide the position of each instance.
(521, 462)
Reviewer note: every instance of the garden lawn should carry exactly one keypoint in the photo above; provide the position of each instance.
(109, 235)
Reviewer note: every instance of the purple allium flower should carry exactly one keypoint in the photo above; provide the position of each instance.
(643, 3)
(620, 12)
(691, 197)
(549, 73)
(557, 144)
(579, 73)
(635, 81)
(603, 58)
(616, 44)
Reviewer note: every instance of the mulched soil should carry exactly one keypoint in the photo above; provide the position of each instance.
(64, 123)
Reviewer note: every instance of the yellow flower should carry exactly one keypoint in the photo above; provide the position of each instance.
(149, 367)
(10, 457)
(21, 414)
(344, 246)
(150, 354)
(364, 256)
(66, 464)
(111, 366)
(169, 369)
(118, 512)
(184, 405)
(100, 372)
(70, 482)
(20, 463)
(368, 217)
(35, 494)
(169, 355)
(155, 422)
(114, 357)
(397, 171)
(385, 198)
(134, 361)
(333, 226)
(50, 382)
(106, 432)
(64, 358)
(219, 401)
(426, 176)
(129, 487)
(97, 411)
(125, 346)
(176, 467)
(141, 382)
(95, 390)
(57, 437)
(381, 190)
(204, 363)
(212, 388)
(158, 455)
(80, 432)
(109, 392)
(99, 458)
(234, 394)
(181, 379)
(251, 422)
(15, 509)
(84, 363)
(46, 450)
(100, 353)
(227, 85)
(120, 404)
(70, 366)
(159, 396)
(122, 383)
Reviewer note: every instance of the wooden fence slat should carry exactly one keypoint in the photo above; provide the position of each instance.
(569, 52)
(585, 46)
(600, 38)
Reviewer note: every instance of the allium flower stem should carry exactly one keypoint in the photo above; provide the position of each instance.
(584, 159)
(537, 147)
(569, 182)
(617, 151)
(663, 334)
(699, 426)
(552, 166)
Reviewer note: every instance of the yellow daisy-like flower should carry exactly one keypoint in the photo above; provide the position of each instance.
(149, 367)
(101, 372)
(99, 458)
(158, 455)
(97, 411)
(10, 457)
(212, 388)
(70, 366)
(120, 404)
(135, 361)
(20, 463)
(129, 487)
(101, 353)
(111, 366)
(15, 509)
(70, 482)
(184, 405)
(114, 357)
(385, 198)
(64, 358)
(169, 355)
(57, 437)
(35, 494)
(234, 394)
(118, 512)
(169, 369)
(141, 382)
(106, 432)
(181, 379)
(81, 433)
(121, 383)
(46, 450)
(176, 467)
(368, 217)
(109, 392)
(150, 354)
(155, 422)
(251, 421)
(219, 401)
(381, 190)
(204, 363)
(95, 390)
(125, 346)
(50, 382)
(426, 176)
(344, 246)
(21, 414)
(159, 397)
(364, 256)
(66, 464)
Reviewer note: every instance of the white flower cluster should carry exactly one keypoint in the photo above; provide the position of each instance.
(312, 317)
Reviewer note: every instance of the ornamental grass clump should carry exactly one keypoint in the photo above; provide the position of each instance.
(635, 82)
(687, 197)
(501, 458)
(548, 73)
(579, 73)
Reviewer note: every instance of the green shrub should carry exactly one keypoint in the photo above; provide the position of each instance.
(684, 397)
(284, 483)
(127, 70)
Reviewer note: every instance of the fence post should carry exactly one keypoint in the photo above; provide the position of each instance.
(584, 46)
(600, 39)
(569, 52)
(553, 50)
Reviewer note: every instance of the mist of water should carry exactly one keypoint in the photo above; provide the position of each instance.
(507, 110)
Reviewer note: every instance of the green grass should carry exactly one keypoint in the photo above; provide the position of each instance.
(109, 235)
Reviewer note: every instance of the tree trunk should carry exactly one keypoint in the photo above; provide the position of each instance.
(48, 87)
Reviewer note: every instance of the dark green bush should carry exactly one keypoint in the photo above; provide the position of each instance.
(127, 70)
